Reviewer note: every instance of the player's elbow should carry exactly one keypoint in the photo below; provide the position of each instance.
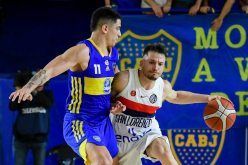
(172, 100)
(173, 96)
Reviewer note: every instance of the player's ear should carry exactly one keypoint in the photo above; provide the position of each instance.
(141, 63)
(105, 28)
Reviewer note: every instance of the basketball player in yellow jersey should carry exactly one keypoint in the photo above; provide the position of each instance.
(91, 66)
(142, 91)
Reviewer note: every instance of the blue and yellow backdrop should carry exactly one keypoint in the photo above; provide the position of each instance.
(199, 60)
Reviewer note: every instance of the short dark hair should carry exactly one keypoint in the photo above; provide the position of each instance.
(103, 15)
(157, 47)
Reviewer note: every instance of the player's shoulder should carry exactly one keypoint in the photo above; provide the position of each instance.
(80, 52)
(79, 48)
(83, 48)
(167, 85)
(122, 75)
(120, 80)
(166, 82)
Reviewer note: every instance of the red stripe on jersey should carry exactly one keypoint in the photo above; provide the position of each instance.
(137, 106)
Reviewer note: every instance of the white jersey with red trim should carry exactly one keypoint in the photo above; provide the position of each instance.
(138, 99)
(137, 127)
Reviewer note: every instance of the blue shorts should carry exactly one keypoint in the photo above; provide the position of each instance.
(78, 133)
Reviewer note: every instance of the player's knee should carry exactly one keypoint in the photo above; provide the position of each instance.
(163, 152)
(160, 147)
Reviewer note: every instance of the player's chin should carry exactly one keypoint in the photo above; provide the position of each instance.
(153, 78)
(155, 75)
(114, 43)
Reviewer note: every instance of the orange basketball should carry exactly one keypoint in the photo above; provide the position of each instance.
(219, 115)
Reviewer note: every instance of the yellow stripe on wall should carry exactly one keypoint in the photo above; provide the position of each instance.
(94, 86)
(80, 94)
(72, 93)
(73, 130)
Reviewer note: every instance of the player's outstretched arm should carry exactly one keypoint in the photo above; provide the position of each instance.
(60, 64)
(118, 85)
(185, 97)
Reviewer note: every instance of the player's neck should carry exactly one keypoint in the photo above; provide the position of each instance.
(100, 42)
(146, 83)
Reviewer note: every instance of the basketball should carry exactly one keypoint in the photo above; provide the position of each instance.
(219, 115)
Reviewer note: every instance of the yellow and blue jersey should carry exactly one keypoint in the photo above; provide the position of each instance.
(89, 90)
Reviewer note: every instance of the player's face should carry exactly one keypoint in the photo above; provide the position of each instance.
(152, 65)
(114, 32)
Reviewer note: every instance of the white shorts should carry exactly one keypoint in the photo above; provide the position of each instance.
(134, 136)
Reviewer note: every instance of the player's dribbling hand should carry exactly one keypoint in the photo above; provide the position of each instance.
(218, 97)
(22, 94)
(117, 108)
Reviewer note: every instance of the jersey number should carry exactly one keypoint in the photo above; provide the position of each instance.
(97, 69)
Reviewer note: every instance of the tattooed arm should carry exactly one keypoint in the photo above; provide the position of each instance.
(38, 79)
(75, 58)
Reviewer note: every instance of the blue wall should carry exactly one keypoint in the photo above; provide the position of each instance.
(33, 33)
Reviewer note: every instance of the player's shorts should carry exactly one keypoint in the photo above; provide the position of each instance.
(134, 137)
(78, 133)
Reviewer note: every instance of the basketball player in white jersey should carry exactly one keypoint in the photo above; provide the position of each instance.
(142, 91)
